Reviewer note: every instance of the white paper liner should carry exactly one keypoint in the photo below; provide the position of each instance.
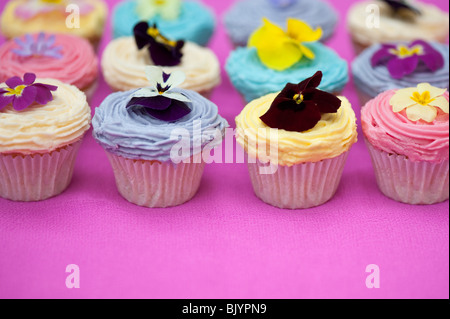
(299, 186)
(418, 183)
(156, 184)
(36, 177)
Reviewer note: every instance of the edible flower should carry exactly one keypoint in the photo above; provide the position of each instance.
(421, 103)
(167, 9)
(282, 3)
(28, 9)
(404, 59)
(299, 107)
(37, 46)
(163, 52)
(158, 99)
(279, 50)
(397, 5)
(23, 93)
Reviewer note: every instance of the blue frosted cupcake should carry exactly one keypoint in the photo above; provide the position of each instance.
(245, 16)
(179, 20)
(383, 67)
(275, 57)
(158, 139)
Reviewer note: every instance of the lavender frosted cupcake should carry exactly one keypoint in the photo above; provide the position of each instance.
(384, 67)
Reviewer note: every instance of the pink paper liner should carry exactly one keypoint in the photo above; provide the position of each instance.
(28, 178)
(156, 184)
(417, 183)
(300, 186)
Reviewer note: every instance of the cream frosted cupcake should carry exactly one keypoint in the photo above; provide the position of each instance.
(407, 134)
(20, 17)
(371, 22)
(308, 132)
(157, 139)
(62, 57)
(42, 124)
(124, 61)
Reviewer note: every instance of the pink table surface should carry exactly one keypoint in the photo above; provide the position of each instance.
(225, 243)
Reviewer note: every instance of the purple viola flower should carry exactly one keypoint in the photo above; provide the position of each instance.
(402, 59)
(38, 45)
(23, 93)
(163, 52)
(282, 3)
(398, 5)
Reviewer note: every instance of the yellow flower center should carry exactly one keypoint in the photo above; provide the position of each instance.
(159, 2)
(299, 98)
(52, 1)
(17, 91)
(403, 51)
(423, 99)
(154, 33)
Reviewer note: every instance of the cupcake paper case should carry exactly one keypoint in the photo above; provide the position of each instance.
(20, 17)
(407, 134)
(309, 153)
(180, 20)
(63, 57)
(43, 123)
(245, 16)
(139, 141)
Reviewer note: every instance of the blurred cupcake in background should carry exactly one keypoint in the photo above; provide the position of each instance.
(371, 22)
(245, 16)
(125, 58)
(22, 17)
(407, 134)
(179, 20)
(63, 57)
(384, 67)
(274, 57)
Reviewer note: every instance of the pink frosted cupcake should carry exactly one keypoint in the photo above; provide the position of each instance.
(407, 134)
(66, 58)
(305, 135)
(42, 124)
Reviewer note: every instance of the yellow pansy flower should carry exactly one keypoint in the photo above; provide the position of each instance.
(167, 9)
(279, 50)
(421, 103)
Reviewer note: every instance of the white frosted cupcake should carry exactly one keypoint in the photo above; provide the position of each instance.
(124, 61)
(42, 124)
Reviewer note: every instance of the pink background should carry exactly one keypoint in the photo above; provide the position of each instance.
(225, 243)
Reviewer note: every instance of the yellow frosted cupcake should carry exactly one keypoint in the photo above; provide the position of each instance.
(83, 18)
(297, 143)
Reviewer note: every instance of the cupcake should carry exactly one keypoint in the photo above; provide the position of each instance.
(384, 67)
(63, 57)
(158, 139)
(245, 16)
(406, 132)
(274, 57)
(124, 61)
(43, 122)
(297, 144)
(21, 17)
(180, 20)
(371, 22)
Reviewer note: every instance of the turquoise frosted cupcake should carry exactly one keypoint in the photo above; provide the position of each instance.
(179, 20)
(275, 57)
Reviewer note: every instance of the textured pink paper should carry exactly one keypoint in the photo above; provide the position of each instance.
(225, 242)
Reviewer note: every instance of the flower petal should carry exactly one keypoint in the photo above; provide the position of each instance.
(442, 103)
(279, 54)
(398, 68)
(175, 79)
(14, 82)
(434, 91)
(176, 96)
(26, 99)
(43, 93)
(29, 78)
(268, 32)
(5, 100)
(145, 92)
(302, 32)
(381, 56)
(307, 52)
(156, 103)
(140, 34)
(174, 112)
(421, 112)
(326, 102)
(402, 99)
(154, 75)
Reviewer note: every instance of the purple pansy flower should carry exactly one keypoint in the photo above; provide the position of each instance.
(158, 100)
(299, 107)
(23, 93)
(39, 45)
(397, 5)
(163, 52)
(404, 59)
(282, 3)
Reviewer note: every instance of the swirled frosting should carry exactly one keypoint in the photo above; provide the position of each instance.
(78, 65)
(333, 135)
(394, 133)
(133, 133)
(246, 16)
(91, 24)
(431, 25)
(253, 79)
(44, 128)
(123, 66)
(195, 23)
(375, 80)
